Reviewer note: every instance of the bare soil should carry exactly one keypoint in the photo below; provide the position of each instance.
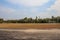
(29, 25)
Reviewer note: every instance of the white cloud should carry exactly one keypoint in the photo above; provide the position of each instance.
(6, 10)
(45, 14)
(28, 2)
(55, 7)
(33, 11)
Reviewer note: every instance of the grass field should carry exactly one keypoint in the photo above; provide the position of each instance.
(30, 25)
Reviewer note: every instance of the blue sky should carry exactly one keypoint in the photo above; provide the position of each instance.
(16, 9)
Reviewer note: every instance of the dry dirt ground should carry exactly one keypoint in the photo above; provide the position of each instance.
(25, 35)
(30, 25)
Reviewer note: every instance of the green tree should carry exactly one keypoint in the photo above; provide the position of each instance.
(36, 19)
(1, 20)
(25, 20)
(58, 19)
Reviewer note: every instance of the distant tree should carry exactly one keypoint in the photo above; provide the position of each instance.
(20, 21)
(46, 20)
(58, 19)
(1, 20)
(53, 19)
(31, 20)
(36, 19)
(39, 20)
(25, 20)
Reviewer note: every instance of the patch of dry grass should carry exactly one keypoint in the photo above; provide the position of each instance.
(30, 25)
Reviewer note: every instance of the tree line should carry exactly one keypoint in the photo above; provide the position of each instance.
(31, 20)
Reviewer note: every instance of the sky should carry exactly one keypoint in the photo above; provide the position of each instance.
(17, 9)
